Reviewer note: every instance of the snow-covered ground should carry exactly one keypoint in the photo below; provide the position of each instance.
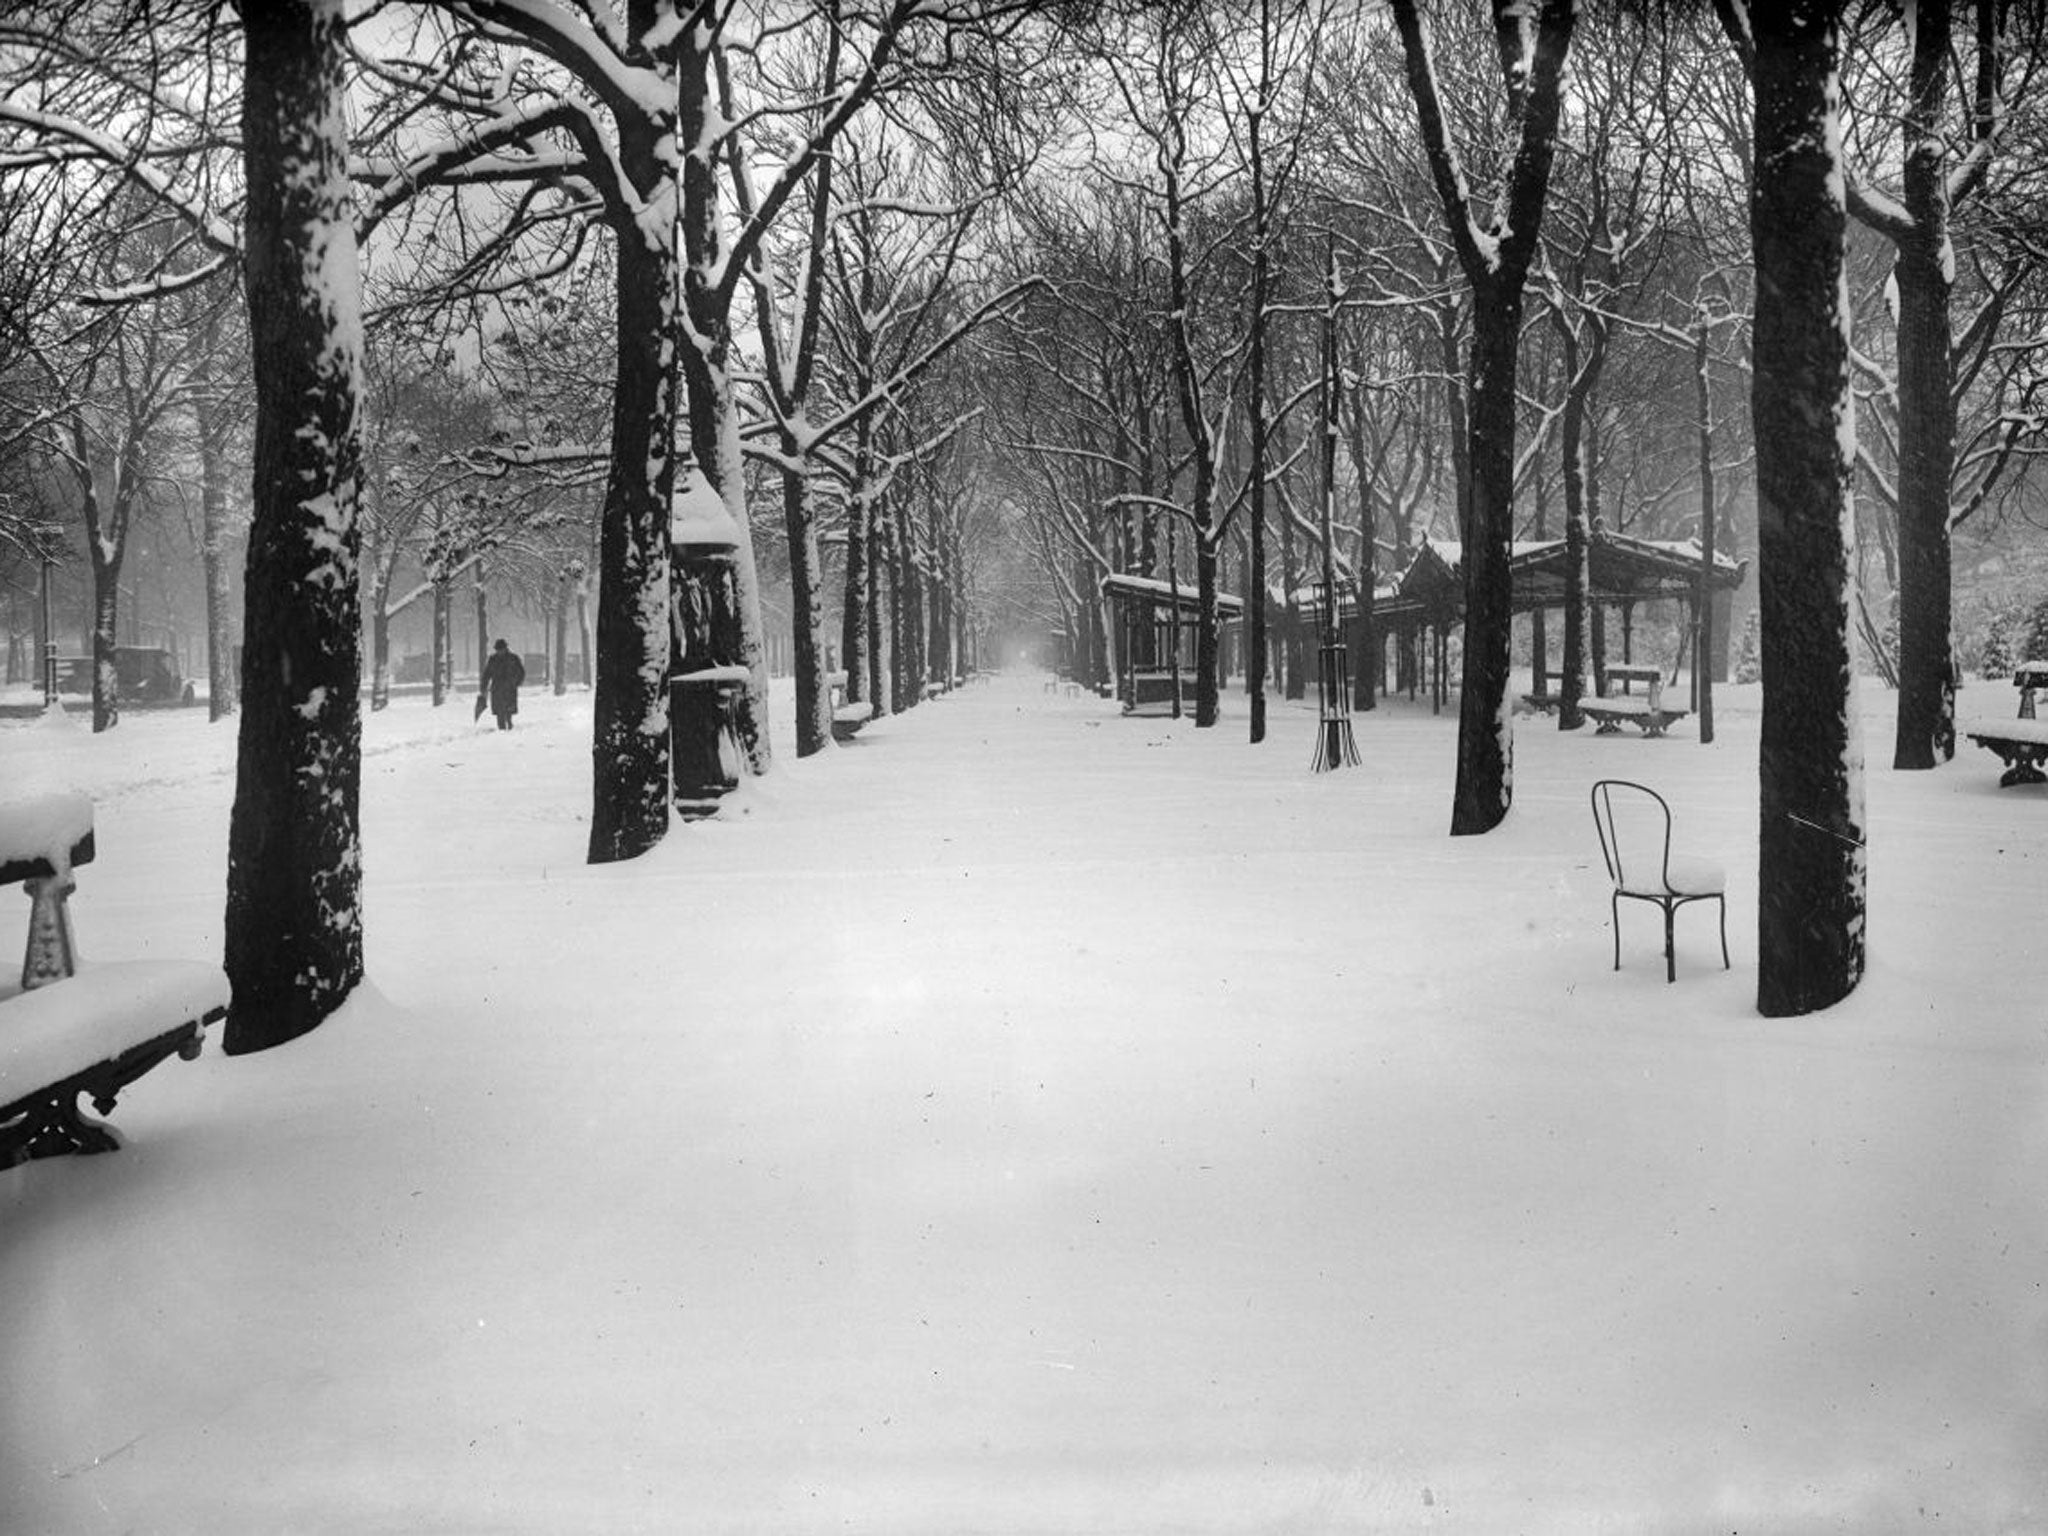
(1032, 1120)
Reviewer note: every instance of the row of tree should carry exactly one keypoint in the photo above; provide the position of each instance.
(996, 297)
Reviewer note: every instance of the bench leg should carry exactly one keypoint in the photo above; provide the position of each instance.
(55, 1127)
(52, 955)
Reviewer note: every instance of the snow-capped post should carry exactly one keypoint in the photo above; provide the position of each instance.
(1811, 860)
(294, 916)
(1495, 253)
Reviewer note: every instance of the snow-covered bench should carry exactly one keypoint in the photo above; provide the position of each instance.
(1650, 712)
(847, 717)
(77, 1028)
(2022, 743)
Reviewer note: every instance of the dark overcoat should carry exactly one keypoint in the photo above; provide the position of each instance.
(503, 674)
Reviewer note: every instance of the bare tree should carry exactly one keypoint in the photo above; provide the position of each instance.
(1495, 254)
(294, 913)
(1934, 177)
(1811, 862)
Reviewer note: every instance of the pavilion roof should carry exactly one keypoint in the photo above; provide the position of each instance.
(1182, 597)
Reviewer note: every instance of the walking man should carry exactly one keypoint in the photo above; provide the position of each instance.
(503, 674)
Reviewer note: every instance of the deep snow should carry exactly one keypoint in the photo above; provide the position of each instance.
(1031, 1120)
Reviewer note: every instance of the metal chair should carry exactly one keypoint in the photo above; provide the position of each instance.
(1635, 839)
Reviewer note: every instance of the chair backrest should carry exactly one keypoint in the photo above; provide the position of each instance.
(1635, 833)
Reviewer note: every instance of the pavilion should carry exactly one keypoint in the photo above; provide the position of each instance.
(1427, 599)
(1422, 606)
(1155, 624)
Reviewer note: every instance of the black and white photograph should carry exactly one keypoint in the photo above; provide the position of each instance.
(1024, 767)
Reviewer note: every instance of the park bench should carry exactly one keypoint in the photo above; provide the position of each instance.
(74, 1027)
(1545, 697)
(847, 718)
(2021, 743)
(1649, 712)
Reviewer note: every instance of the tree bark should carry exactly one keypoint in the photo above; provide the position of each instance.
(1576, 444)
(630, 724)
(1534, 44)
(1810, 886)
(1485, 782)
(483, 620)
(1926, 728)
(107, 549)
(209, 428)
(1703, 599)
(294, 947)
(443, 643)
(807, 610)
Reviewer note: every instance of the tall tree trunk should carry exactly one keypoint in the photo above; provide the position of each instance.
(209, 428)
(380, 647)
(880, 654)
(1810, 876)
(1926, 729)
(1366, 671)
(1578, 526)
(630, 713)
(1534, 43)
(443, 642)
(558, 664)
(855, 605)
(483, 619)
(1485, 783)
(1703, 599)
(585, 638)
(294, 946)
(106, 611)
(806, 608)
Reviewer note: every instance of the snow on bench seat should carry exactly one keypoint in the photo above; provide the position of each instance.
(2021, 744)
(848, 718)
(1610, 712)
(2009, 730)
(60, 1030)
(42, 836)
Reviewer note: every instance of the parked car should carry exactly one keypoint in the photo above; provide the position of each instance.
(143, 674)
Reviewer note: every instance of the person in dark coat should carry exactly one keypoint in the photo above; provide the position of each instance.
(503, 674)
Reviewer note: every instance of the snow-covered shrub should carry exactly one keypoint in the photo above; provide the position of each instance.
(1995, 659)
(2036, 646)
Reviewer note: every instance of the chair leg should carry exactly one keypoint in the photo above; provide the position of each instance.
(1670, 961)
(1723, 901)
(1614, 919)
